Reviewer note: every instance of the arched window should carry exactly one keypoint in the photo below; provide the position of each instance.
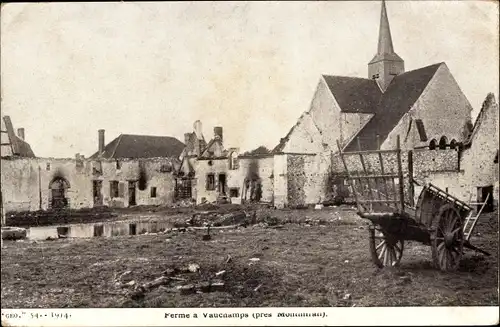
(442, 142)
(453, 144)
(432, 144)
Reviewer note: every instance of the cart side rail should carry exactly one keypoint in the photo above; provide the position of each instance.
(377, 190)
(431, 199)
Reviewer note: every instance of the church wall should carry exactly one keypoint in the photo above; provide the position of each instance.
(305, 137)
(350, 125)
(443, 109)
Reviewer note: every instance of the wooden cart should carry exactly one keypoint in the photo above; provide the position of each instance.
(384, 195)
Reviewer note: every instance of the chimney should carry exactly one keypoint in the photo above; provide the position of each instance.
(101, 141)
(218, 132)
(188, 144)
(197, 127)
(20, 133)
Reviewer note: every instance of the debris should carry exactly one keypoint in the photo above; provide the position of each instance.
(207, 236)
(257, 288)
(193, 267)
(203, 286)
(346, 261)
(238, 217)
(222, 272)
(216, 285)
(123, 276)
(169, 272)
(254, 259)
(318, 206)
(187, 289)
(157, 282)
(347, 296)
(131, 283)
(178, 278)
(229, 258)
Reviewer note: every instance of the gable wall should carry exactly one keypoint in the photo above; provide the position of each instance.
(443, 109)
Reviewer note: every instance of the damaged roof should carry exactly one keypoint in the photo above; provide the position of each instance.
(141, 146)
(403, 91)
(18, 146)
(473, 128)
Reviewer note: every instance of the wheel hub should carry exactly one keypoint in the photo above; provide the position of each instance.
(449, 239)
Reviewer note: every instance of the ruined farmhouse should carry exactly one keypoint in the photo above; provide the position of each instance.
(130, 170)
(424, 107)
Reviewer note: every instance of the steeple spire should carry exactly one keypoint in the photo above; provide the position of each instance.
(386, 64)
(384, 35)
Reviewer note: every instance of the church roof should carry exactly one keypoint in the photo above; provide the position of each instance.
(403, 91)
(141, 146)
(354, 94)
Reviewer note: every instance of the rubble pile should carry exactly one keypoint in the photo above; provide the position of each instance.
(173, 280)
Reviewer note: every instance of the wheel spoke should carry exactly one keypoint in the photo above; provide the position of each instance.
(456, 230)
(396, 246)
(450, 226)
(451, 261)
(446, 258)
(441, 257)
(455, 253)
(394, 256)
(381, 244)
(381, 254)
(386, 255)
(440, 246)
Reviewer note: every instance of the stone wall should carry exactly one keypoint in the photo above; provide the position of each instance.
(26, 181)
(307, 178)
(280, 185)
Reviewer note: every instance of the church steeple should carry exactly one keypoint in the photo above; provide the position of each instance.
(386, 64)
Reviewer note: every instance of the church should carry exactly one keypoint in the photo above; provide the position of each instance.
(424, 106)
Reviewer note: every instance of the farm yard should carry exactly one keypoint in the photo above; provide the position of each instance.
(301, 257)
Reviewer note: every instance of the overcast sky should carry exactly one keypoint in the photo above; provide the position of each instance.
(69, 69)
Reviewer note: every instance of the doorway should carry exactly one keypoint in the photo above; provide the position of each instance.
(131, 193)
(58, 188)
(222, 184)
(482, 193)
(97, 192)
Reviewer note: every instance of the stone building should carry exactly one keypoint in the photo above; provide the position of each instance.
(209, 172)
(131, 170)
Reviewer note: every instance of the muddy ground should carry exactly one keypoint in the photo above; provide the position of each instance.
(313, 258)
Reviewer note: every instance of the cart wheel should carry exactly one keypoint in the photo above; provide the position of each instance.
(448, 239)
(385, 249)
